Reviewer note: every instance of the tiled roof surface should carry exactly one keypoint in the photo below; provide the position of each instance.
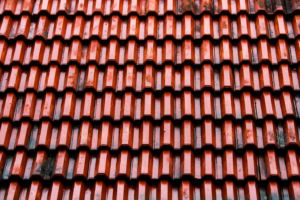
(149, 99)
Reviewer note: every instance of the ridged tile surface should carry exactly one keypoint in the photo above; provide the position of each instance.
(150, 99)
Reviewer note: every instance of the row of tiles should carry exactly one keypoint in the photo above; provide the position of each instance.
(143, 191)
(147, 135)
(151, 27)
(146, 165)
(167, 78)
(186, 51)
(143, 7)
(148, 106)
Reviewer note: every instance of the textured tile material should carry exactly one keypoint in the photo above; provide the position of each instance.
(149, 99)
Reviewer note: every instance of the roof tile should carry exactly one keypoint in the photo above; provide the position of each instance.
(150, 97)
(13, 191)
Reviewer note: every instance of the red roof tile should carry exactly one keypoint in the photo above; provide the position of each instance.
(149, 99)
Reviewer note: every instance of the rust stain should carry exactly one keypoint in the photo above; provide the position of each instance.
(149, 78)
(133, 27)
(149, 53)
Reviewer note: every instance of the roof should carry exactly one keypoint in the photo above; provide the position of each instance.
(149, 99)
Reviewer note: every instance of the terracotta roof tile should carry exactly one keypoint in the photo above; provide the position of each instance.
(149, 99)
